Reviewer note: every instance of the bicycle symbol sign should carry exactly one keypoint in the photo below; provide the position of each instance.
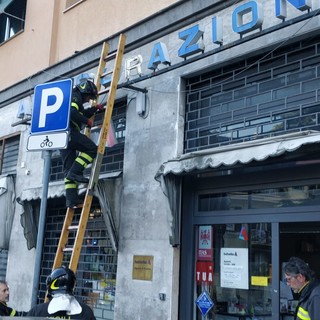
(52, 141)
(46, 143)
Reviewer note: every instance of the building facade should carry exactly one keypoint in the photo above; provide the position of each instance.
(213, 183)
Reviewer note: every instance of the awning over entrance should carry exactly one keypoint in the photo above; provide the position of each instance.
(241, 153)
(255, 150)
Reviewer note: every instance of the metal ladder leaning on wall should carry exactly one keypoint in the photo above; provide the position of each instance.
(95, 170)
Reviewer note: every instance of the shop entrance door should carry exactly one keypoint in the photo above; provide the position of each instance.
(259, 225)
(239, 266)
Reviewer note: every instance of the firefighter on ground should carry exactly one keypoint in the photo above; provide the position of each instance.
(4, 298)
(62, 302)
(81, 150)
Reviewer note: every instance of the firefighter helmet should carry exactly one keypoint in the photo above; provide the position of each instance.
(89, 88)
(61, 280)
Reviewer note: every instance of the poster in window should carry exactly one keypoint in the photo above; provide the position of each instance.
(204, 272)
(205, 243)
(234, 268)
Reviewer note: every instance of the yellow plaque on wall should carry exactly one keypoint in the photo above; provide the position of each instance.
(142, 268)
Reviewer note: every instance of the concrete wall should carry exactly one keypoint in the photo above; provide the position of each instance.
(20, 259)
(57, 34)
(144, 225)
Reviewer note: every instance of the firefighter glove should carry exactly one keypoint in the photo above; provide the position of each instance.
(99, 107)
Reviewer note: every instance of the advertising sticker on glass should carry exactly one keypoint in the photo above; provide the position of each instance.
(205, 243)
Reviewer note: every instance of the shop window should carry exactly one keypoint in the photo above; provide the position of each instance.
(9, 151)
(233, 271)
(258, 199)
(12, 18)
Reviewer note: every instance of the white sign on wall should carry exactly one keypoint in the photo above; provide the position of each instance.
(234, 268)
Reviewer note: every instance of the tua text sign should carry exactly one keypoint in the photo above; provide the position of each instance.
(51, 107)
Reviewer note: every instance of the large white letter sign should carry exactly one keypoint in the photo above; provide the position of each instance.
(256, 21)
(51, 101)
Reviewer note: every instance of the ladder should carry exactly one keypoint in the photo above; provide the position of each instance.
(95, 170)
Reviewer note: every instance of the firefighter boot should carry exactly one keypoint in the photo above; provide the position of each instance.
(76, 172)
(72, 198)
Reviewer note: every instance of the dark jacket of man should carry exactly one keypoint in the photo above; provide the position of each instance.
(41, 310)
(10, 312)
(309, 302)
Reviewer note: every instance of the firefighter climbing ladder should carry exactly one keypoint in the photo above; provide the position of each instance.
(95, 171)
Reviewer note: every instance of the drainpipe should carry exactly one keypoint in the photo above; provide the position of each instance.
(41, 227)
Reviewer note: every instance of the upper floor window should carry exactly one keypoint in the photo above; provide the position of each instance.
(9, 152)
(72, 3)
(12, 18)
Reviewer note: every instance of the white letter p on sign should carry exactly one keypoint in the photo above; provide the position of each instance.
(46, 109)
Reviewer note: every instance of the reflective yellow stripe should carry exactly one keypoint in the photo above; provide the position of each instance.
(81, 162)
(73, 104)
(83, 86)
(303, 314)
(86, 156)
(53, 285)
(70, 186)
(13, 312)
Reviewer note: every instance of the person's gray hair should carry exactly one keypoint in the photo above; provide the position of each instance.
(295, 266)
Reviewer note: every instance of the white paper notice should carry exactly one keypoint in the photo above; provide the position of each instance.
(234, 268)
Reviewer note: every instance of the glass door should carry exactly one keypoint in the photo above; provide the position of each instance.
(233, 269)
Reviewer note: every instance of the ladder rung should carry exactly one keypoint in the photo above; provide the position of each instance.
(67, 250)
(110, 56)
(73, 227)
(104, 91)
(106, 73)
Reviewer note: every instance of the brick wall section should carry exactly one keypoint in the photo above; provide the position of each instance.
(270, 94)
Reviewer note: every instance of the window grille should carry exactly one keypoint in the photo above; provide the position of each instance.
(9, 152)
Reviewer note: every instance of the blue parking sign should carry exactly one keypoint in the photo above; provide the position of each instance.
(51, 107)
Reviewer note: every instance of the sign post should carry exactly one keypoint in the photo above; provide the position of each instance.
(49, 131)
